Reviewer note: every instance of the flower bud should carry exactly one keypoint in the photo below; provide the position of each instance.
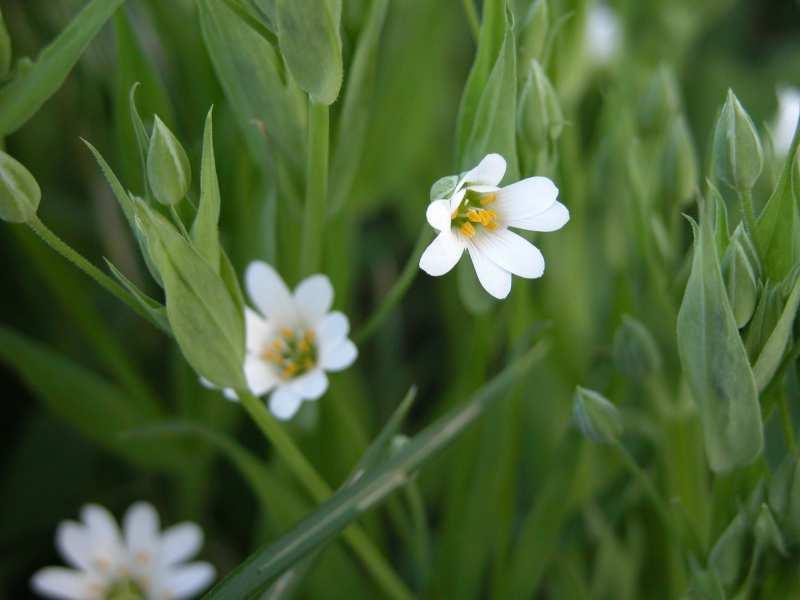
(679, 171)
(767, 532)
(540, 116)
(596, 417)
(740, 281)
(5, 49)
(660, 102)
(636, 353)
(19, 192)
(533, 33)
(737, 156)
(444, 187)
(168, 170)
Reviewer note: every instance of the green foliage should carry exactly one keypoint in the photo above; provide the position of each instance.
(169, 173)
(737, 156)
(19, 192)
(596, 417)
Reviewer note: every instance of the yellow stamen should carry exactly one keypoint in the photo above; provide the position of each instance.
(488, 198)
(290, 369)
(491, 226)
(310, 335)
(287, 333)
(304, 345)
(467, 229)
(308, 364)
(475, 215)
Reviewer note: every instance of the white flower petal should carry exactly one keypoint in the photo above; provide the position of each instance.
(284, 402)
(336, 357)
(332, 329)
(603, 34)
(518, 203)
(455, 201)
(442, 254)
(494, 280)
(311, 385)
(553, 219)
(313, 298)
(258, 331)
(269, 293)
(74, 543)
(490, 171)
(511, 252)
(179, 543)
(57, 582)
(230, 394)
(141, 526)
(786, 119)
(439, 214)
(101, 525)
(187, 581)
(259, 374)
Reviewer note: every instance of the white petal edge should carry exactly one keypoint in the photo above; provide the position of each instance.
(74, 543)
(187, 581)
(311, 385)
(553, 219)
(490, 171)
(180, 543)
(439, 214)
(511, 252)
(332, 329)
(268, 292)
(101, 524)
(520, 201)
(495, 280)
(259, 375)
(442, 254)
(313, 298)
(58, 582)
(141, 525)
(258, 331)
(284, 403)
(339, 356)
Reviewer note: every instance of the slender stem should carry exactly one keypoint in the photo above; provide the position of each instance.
(57, 244)
(316, 203)
(377, 565)
(788, 425)
(637, 472)
(472, 18)
(398, 289)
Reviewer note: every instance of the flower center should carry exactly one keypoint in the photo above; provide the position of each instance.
(293, 352)
(472, 213)
(125, 589)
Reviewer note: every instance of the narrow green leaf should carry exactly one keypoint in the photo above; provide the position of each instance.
(5, 49)
(350, 502)
(356, 106)
(24, 95)
(769, 359)
(155, 309)
(308, 32)
(19, 192)
(205, 229)
(715, 362)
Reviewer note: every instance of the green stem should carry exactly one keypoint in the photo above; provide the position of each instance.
(111, 286)
(375, 563)
(472, 18)
(178, 221)
(398, 290)
(647, 485)
(316, 203)
(788, 426)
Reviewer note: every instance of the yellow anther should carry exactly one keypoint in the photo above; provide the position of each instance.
(488, 198)
(475, 215)
(308, 364)
(290, 370)
(491, 225)
(287, 333)
(310, 335)
(304, 345)
(467, 229)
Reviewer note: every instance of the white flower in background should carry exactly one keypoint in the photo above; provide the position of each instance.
(786, 119)
(476, 218)
(139, 562)
(603, 34)
(294, 340)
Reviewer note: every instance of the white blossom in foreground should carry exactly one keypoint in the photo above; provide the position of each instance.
(786, 119)
(477, 217)
(603, 35)
(139, 562)
(293, 339)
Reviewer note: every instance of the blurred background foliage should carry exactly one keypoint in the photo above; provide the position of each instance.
(520, 507)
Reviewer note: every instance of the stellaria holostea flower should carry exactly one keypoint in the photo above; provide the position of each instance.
(603, 34)
(477, 217)
(292, 339)
(786, 119)
(138, 562)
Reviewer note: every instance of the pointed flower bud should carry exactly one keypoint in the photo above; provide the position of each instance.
(168, 170)
(660, 102)
(5, 49)
(740, 280)
(595, 416)
(636, 353)
(767, 532)
(540, 116)
(737, 155)
(679, 172)
(19, 192)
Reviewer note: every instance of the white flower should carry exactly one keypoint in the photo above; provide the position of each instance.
(476, 218)
(786, 119)
(602, 33)
(138, 562)
(294, 340)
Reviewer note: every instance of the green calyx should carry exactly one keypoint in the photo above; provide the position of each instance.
(125, 589)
